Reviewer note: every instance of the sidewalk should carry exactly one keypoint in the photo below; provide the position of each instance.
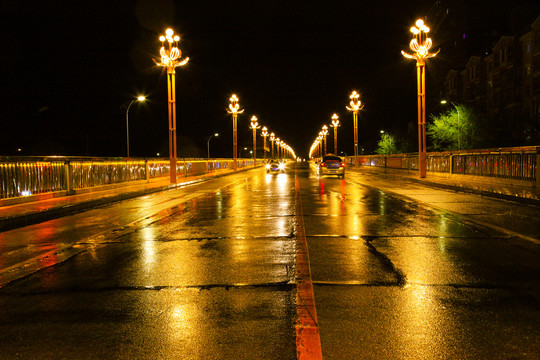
(28, 213)
(513, 192)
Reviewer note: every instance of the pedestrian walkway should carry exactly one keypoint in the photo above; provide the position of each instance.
(28, 213)
(487, 187)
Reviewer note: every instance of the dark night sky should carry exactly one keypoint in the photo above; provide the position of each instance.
(68, 66)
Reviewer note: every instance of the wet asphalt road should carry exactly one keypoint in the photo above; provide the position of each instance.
(399, 271)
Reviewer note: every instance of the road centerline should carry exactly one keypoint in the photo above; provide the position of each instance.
(308, 341)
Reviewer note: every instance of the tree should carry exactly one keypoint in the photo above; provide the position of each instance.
(455, 129)
(387, 145)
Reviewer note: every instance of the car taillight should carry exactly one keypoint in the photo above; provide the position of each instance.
(342, 165)
(323, 164)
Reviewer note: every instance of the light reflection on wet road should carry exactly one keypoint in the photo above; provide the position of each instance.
(208, 272)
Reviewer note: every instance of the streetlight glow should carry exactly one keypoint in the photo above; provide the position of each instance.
(356, 106)
(254, 125)
(208, 142)
(264, 134)
(139, 98)
(324, 132)
(335, 125)
(421, 44)
(170, 58)
(234, 109)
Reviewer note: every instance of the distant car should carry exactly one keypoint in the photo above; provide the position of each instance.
(331, 165)
(275, 166)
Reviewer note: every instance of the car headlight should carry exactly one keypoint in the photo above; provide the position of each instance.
(268, 166)
(281, 166)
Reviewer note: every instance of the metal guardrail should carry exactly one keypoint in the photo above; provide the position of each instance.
(23, 176)
(518, 163)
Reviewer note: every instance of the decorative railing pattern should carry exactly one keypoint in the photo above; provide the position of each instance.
(23, 176)
(519, 163)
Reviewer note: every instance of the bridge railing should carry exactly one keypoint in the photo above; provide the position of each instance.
(23, 176)
(517, 163)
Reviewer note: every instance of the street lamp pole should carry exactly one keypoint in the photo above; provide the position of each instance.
(335, 124)
(170, 55)
(208, 143)
(272, 138)
(254, 125)
(264, 134)
(234, 109)
(421, 44)
(324, 132)
(139, 98)
(356, 105)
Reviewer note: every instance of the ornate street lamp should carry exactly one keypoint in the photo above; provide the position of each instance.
(272, 138)
(254, 125)
(170, 58)
(139, 98)
(356, 105)
(264, 134)
(277, 146)
(421, 44)
(234, 109)
(335, 124)
(324, 133)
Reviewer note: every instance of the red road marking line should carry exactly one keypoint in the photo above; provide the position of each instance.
(308, 341)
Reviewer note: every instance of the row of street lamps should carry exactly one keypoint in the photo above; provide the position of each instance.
(420, 45)
(319, 147)
(171, 59)
(283, 150)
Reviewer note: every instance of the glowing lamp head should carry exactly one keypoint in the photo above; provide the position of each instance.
(355, 103)
(141, 98)
(254, 124)
(420, 43)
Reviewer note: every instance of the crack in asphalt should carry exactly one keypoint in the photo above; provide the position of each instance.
(401, 279)
(286, 285)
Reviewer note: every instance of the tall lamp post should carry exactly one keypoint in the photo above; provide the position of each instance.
(234, 109)
(139, 98)
(170, 58)
(254, 125)
(324, 133)
(277, 147)
(272, 139)
(264, 134)
(208, 143)
(421, 44)
(356, 105)
(335, 124)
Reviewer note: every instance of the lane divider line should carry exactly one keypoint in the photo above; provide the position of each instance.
(308, 341)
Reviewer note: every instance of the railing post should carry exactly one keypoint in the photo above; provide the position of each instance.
(146, 170)
(451, 164)
(538, 171)
(69, 177)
